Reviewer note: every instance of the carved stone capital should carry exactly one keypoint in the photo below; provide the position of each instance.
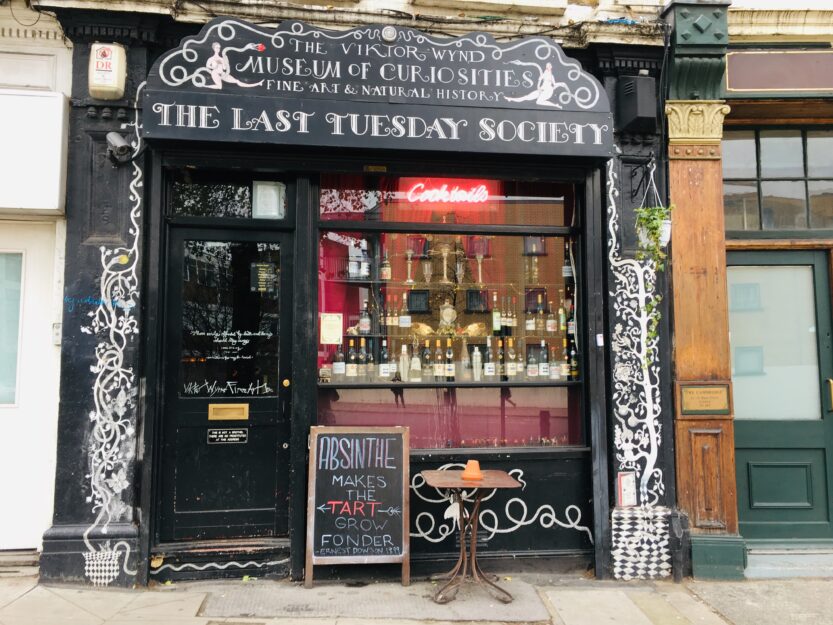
(695, 121)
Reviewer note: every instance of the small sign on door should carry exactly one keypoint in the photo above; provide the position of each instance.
(228, 436)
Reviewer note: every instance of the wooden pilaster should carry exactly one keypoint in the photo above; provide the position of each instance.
(705, 436)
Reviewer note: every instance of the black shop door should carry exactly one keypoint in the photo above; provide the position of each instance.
(227, 386)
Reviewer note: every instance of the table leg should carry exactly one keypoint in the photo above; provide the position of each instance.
(477, 575)
(457, 575)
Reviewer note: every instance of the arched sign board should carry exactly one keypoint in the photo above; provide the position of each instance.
(357, 497)
(377, 87)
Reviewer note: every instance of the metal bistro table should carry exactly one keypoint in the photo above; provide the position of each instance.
(453, 481)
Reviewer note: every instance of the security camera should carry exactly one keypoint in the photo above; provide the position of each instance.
(117, 145)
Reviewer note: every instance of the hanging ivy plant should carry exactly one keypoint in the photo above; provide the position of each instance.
(653, 227)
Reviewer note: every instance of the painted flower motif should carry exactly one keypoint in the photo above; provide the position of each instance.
(622, 372)
(260, 47)
(118, 481)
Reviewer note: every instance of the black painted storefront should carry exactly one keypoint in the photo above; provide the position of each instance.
(187, 125)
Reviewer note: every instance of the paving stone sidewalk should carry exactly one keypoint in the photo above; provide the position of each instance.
(539, 600)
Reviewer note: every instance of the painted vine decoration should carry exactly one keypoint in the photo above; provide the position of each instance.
(635, 350)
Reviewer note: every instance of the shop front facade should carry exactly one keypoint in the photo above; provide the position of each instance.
(363, 227)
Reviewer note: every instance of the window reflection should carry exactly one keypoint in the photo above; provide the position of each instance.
(461, 417)
(230, 318)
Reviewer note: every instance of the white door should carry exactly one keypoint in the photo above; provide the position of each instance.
(30, 287)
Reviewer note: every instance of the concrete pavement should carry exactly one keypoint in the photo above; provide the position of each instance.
(539, 600)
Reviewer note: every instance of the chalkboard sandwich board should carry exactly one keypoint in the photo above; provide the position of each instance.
(357, 497)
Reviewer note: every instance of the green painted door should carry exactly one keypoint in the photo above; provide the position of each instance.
(779, 324)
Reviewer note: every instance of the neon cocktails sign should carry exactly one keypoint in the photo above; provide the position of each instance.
(445, 193)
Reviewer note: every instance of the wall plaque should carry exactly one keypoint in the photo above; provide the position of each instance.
(704, 399)
(298, 84)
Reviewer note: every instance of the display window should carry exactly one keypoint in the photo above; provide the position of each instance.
(470, 338)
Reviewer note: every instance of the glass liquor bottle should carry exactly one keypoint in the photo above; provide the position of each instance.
(364, 261)
(567, 267)
(552, 322)
(571, 324)
(362, 360)
(449, 362)
(351, 370)
(384, 361)
(511, 364)
(404, 363)
(339, 366)
(415, 366)
(539, 316)
(531, 363)
(495, 314)
(364, 320)
(439, 363)
(371, 361)
(404, 316)
(544, 361)
(489, 368)
(574, 373)
(555, 369)
(500, 362)
(562, 314)
(392, 361)
(385, 271)
(513, 320)
(427, 365)
(529, 321)
(564, 363)
(465, 361)
(504, 315)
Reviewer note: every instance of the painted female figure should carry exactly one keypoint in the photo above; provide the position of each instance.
(546, 89)
(220, 69)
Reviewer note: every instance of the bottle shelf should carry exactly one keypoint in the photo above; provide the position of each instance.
(455, 384)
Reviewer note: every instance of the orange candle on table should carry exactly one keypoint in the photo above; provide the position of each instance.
(472, 471)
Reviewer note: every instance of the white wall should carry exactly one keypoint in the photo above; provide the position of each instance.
(35, 81)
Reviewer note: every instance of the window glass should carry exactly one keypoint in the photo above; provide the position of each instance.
(409, 310)
(775, 372)
(739, 154)
(820, 153)
(783, 205)
(230, 319)
(444, 200)
(740, 203)
(782, 155)
(462, 417)
(213, 194)
(11, 276)
(821, 203)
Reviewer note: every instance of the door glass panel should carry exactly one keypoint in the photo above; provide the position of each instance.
(11, 275)
(230, 319)
(773, 339)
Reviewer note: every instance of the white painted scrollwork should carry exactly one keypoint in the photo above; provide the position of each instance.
(636, 370)
(515, 513)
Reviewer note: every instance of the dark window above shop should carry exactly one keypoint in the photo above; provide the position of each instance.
(778, 179)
